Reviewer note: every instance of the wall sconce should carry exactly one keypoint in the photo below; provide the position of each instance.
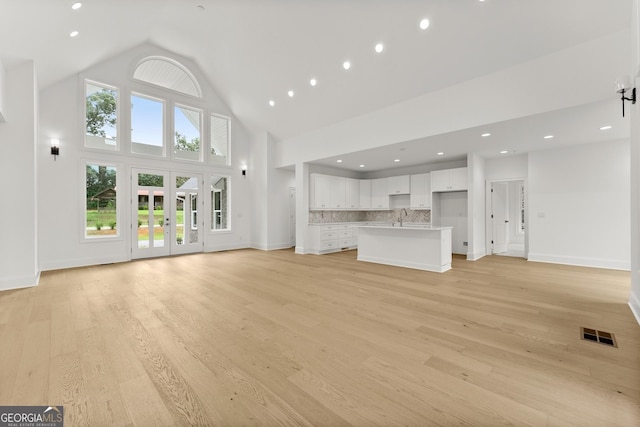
(623, 86)
(244, 170)
(55, 148)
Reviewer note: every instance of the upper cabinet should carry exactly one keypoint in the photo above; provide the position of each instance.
(365, 194)
(338, 185)
(449, 180)
(398, 184)
(353, 193)
(319, 191)
(379, 193)
(420, 191)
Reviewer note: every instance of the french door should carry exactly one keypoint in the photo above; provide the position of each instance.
(167, 209)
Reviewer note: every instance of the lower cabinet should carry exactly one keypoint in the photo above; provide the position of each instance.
(332, 238)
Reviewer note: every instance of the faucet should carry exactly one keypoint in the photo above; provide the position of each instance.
(405, 214)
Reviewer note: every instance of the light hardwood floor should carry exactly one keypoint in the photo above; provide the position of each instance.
(273, 338)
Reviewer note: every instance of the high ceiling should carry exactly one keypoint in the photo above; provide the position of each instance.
(254, 51)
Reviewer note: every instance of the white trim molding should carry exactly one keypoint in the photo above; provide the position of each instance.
(613, 264)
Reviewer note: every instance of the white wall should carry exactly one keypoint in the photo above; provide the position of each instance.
(476, 207)
(543, 82)
(507, 168)
(18, 181)
(579, 205)
(2, 92)
(634, 297)
(60, 213)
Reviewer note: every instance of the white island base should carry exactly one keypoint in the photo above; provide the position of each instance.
(423, 248)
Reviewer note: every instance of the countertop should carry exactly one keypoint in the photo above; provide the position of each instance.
(409, 227)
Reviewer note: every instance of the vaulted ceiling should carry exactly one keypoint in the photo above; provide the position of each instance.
(254, 51)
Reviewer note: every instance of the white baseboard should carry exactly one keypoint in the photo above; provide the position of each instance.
(271, 247)
(474, 256)
(81, 262)
(634, 304)
(612, 264)
(300, 250)
(19, 282)
(218, 248)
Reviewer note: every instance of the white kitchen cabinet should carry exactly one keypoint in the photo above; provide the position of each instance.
(365, 194)
(332, 238)
(379, 193)
(353, 193)
(320, 191)
(420, 196)
(399, 184)
(338, 195)
(449, 180)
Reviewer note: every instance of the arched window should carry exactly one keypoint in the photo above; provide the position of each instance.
(167, 73)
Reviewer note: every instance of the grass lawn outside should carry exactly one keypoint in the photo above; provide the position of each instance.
(106, 221)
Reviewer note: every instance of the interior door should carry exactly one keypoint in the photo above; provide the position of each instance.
(167, 212)
(500, 217)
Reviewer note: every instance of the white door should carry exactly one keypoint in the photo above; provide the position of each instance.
(500, 216)
(167, 212)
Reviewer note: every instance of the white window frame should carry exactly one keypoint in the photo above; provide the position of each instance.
(210, 155)
(163, 101)
(203, 142)
(118, 139)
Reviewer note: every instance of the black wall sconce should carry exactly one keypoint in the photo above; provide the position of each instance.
(55, 148)
(623, 86)
(244, 170)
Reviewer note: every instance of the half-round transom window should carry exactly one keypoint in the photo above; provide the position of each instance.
(168, 74)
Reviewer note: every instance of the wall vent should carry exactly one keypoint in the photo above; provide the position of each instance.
(601, 337)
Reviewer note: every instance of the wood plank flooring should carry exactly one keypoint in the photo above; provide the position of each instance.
(274, 338)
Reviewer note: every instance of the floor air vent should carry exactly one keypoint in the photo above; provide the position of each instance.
(601, 337)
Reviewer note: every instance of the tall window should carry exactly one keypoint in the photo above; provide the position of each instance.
(101, 209)
(219, 140)
(187, 128)
(219, 192)
(147, 125)
(101, 116)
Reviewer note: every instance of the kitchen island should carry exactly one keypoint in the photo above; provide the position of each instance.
(420, 247)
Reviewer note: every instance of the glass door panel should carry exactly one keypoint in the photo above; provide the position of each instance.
(187, 222)
(149, 192)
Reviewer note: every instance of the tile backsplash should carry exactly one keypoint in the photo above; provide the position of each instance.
(320, 217)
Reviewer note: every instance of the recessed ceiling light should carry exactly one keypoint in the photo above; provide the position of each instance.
(313, 82)
(346, 65)
(548, 137)
(504, 152)
(424, 24)
(379, 47)
(361, 166)
(290, 93)
(339, 161)
(73, 33)
(76, 6)
(605, 127)
(484, 135)
(396, 160)
(272, 102)
(440, 153)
